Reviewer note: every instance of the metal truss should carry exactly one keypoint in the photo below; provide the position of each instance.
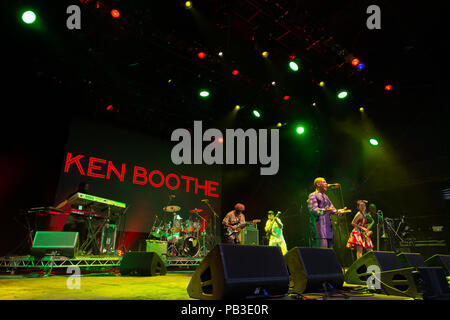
(29, 262)
(183, 262)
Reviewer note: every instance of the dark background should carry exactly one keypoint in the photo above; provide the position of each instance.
(53, 75)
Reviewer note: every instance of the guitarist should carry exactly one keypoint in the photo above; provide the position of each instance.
(232, 221)
(274, 231)
(320, 208)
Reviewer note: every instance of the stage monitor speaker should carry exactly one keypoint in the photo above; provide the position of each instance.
(360, 270)
(432, 283)
(428, 283)
(139, 263)
(250, 236)
(411, 260)
(399, 282)
(239, 272)
(439, 260)
(311, 268)
(61, 243)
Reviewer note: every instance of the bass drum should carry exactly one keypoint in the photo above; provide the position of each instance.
(188, 246)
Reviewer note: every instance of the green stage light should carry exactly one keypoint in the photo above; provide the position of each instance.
(300, 130)
(294, 66)
(204, 93)
(256, 113)
(29, 17)
(342, 94)
(373, 142)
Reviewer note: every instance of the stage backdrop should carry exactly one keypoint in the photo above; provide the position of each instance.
(134, 156)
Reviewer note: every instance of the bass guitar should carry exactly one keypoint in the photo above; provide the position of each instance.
(229, 231)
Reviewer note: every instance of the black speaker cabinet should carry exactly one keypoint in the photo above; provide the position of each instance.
(432, 283)
(238, 272)
(311, 268)
(439, 260)
(411, 260)
(142, 264)
(61, 243)
(360, 270)
(428, 283)
(399, 282)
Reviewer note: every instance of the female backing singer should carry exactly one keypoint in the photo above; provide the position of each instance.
(360, 235)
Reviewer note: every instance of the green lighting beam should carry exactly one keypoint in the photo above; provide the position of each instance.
(294, 66)
(373, 142)
(29, 17)
(342, 94)
(256, 113)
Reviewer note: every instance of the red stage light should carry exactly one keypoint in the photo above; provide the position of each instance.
(201, 55)
(120, 252)
(388, 87)
(235, 72)
(110, 107)
(286, 98)
(115, 13)
(355, 62)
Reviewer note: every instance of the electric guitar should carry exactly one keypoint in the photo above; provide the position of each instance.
(269, 232)
(229, 231)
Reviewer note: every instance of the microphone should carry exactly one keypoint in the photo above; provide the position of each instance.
(204, 200)
(333, 185)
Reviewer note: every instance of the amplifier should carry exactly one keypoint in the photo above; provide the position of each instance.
(250, 235)
(157, 246)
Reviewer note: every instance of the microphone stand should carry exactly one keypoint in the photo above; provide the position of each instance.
(215, 216)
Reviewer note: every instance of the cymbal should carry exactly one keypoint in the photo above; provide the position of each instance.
(196, 211)
(172, 209)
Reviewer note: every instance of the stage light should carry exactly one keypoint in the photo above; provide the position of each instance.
(115, 13)
(29, 17)
(274, 83)
(300, 130)
(360, 66)
(120, 252)
(110, 107)
(322, 84)
(220, 140)
(342, 94)
(355, 62)
(361, 109)
(293, 65)
(373, 142)
(235, 72)
(256, 113)
(279, 124)
(265, 54)
(286, 98)
(237, 107)
(220, 54)
(201, 55)
(188, 4)
(388, 87)
(204, 93)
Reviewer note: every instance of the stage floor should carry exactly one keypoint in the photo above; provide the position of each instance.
(171, 286)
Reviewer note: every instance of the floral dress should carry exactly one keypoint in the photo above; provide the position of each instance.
(357, 237)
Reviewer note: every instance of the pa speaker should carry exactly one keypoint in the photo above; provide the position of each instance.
(238, 272)
(61, 243)
(311, 268)
(142, 264)
(361, 269)
(411, 260)
(439, 260)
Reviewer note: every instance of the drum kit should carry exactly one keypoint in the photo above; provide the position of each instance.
(185, 237)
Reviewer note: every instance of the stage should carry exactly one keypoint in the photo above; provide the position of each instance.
(113, 286)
